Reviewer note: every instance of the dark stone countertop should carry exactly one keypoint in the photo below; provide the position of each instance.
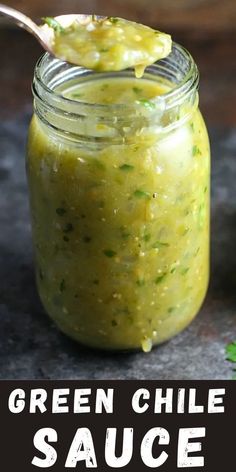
(30, 345)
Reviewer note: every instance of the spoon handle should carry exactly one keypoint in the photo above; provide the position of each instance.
(24, 22)
(17, 17)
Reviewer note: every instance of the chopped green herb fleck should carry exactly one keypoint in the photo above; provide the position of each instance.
(196, 151)
(137, 89)
(124, 232)
(123, 311)
(113, 20)
(96, 282)
(66, 239)
(147, 237)
(160, 244)
(109, 253)
(125, 235)
(68, 228)
(184, 271)
(104, 87)
(40, 274)
(62, 285)
(140, 282)
(201, 215)
(61, 211)
(54, 24)
(86, 239)
(77, 95)
(142, 194)
(98, 164)
(192, 126)
(104, 50)
(126, 167)
(231, 352)
(146, 103)
(160, 278)
(173, 270)
(171, 309)
(114, 323)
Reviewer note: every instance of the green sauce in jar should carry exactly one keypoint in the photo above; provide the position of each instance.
(118, 172)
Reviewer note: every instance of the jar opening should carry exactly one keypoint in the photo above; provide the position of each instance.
(170, 108)
(178, 68)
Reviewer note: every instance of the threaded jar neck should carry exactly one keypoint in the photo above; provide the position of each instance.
(72, 118)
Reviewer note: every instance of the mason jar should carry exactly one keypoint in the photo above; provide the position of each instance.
(119, 198)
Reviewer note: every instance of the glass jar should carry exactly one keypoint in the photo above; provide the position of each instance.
(120, 206)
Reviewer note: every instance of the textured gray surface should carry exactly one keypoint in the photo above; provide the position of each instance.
(30, 345)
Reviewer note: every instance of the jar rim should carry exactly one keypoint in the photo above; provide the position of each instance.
(187, 84)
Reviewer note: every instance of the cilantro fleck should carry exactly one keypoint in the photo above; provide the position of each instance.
(160, 278)
(160, 244)
(184, 270)
(77, 95)
(104, 87)
(201, 215)
(125, 235)
(61, 211)
(146, 103)
(192, 126)
(96, 282)
(86, 239)
(113, 20)
(109, 253)
(62, 285)
(142, 194)
(140, 282)
(137, 89)
(54, 24)
(196, 151)
(114, 323)
(68, 228)
(147, 237)
(66, 239)
(171, 309)
(126, 167)
(104, 50)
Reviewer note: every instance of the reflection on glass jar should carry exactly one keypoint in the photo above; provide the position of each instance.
(120, 200)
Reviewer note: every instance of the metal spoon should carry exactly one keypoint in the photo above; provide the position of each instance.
(44, 34)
